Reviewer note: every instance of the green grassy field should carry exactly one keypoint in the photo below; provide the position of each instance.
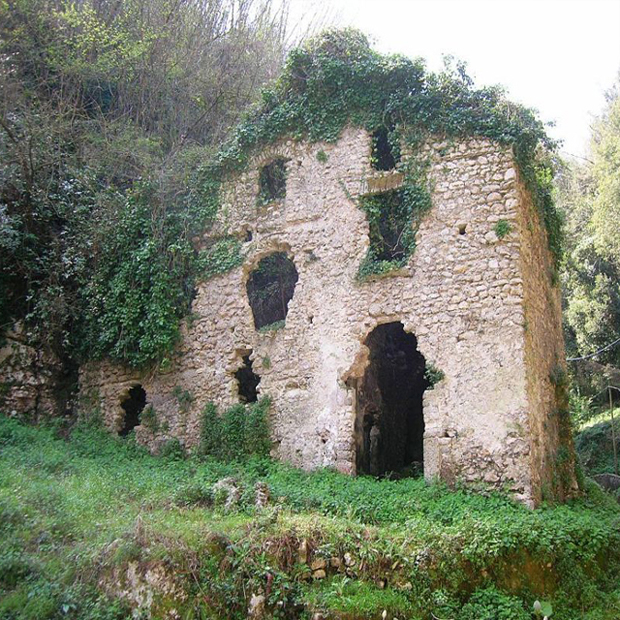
(92, 527)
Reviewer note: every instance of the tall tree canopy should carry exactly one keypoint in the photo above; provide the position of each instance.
(106, 108)
(590, 196)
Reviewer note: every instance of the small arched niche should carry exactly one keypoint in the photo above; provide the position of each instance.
(389, 424)
(270, 288)
(133, 404)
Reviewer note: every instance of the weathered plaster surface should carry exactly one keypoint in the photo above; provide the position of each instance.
(483, 310)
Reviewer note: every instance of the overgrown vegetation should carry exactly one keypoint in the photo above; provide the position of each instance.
(589, 196)
(502, 228)
(393, 220)
(595, 448)
(107, 111)
(241, 431)
(97, 231)
(75, 513)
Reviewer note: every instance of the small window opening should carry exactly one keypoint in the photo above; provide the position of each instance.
(385, 153)
(248, 381)
(462, 229)
(389, 425)
(272, 182)
(248, 235)
(389, 223)
(270, 288)
(132, 405)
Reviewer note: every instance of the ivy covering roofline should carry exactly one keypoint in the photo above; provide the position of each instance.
(333, 80)
(336, 79)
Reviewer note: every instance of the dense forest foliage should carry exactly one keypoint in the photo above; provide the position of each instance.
(589, 195)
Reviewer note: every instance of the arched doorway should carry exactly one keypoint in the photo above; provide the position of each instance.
(133, 404)
(390, 422)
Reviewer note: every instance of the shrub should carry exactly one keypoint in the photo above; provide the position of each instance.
(173, 450)
(241, 431)
(491, 604)
(502, 228)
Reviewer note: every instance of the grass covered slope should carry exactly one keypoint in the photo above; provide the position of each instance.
(93, 527)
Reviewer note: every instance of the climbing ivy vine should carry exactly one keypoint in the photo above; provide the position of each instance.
(337, 79)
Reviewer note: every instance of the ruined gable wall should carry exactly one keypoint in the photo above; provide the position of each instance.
(460, 294)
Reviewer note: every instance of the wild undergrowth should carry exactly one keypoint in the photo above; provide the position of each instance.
(80, 517)
(594, 445)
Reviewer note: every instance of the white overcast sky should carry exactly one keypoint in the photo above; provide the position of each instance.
(558, 56)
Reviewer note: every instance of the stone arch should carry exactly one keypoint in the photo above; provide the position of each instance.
(390, 380)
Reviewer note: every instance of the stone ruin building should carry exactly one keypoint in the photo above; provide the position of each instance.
(443, 366)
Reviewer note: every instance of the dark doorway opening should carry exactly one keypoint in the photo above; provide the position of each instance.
(390, 421)
(133, 406)
(248, 381)
(270, 288)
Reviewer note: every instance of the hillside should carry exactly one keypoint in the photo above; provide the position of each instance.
(93, 528)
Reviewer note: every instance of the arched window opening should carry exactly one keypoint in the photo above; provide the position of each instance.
(247, 381)
(270, 288)
(389, 427)
(389, 226)
(132, 405)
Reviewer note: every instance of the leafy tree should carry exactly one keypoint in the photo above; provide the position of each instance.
(111, 118)
(106, 112)
(590, 197)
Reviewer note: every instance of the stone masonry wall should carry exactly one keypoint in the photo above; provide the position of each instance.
(28, 379)
(462, 294)
(545, 355)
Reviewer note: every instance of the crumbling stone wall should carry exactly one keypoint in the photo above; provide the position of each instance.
(29, 378)
(552, 456)
(477, 304)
